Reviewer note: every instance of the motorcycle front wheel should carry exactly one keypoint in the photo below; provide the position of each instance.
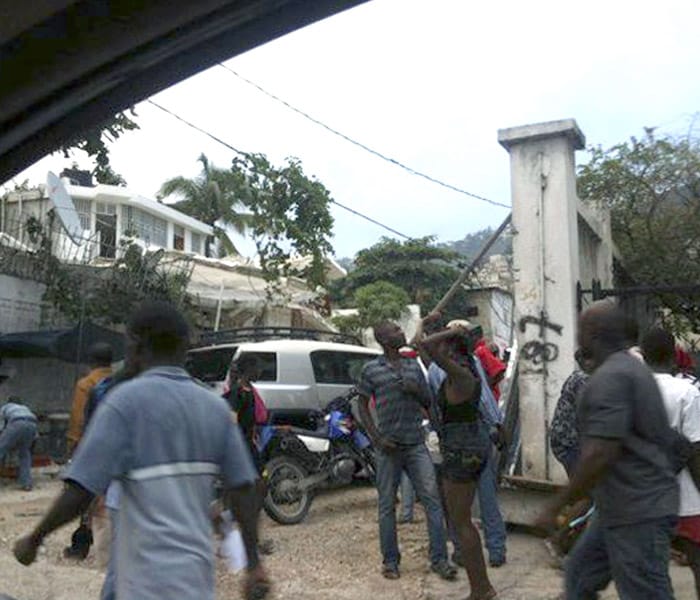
(285, 503)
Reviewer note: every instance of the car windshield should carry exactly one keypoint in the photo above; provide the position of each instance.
(210, 365)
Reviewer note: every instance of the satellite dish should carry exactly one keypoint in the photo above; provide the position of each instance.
(64, 207)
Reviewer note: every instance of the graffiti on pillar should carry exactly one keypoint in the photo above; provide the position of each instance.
(540, 352)
(542, 321)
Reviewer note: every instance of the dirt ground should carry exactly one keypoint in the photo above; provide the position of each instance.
(333, 555)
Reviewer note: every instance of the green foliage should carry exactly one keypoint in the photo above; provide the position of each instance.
(286, 213)
(374, 302)
(422, 269)
(107, 294)
(652, 188)
(379, 301)
(212, 197)
(289, 217)
(95, 142)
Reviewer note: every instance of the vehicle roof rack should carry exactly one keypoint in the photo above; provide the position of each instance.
(259, 334)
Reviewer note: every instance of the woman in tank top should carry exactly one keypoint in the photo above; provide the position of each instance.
(464, 444)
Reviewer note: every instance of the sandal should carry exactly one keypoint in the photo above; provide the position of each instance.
(391, 572)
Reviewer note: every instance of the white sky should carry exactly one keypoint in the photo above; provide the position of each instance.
(428, 82)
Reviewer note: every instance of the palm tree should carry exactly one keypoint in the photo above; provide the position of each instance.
(213, 198)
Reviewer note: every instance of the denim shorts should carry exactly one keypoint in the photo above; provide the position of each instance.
(465, 449)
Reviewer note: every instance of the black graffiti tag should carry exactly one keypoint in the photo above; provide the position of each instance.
(542, 321)
(540, 352)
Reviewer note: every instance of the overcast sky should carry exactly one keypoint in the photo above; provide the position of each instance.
(428, 82)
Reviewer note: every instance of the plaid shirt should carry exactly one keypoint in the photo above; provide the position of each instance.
(399, 413)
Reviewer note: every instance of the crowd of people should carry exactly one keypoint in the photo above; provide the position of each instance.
(149, 445)
(626, 431)
(447, 384)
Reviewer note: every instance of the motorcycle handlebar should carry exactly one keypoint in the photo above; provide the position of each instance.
(340, 400)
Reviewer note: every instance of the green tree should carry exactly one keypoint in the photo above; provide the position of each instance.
(374, 302)
(289, 218)
(213, 198)
(95, 142)
(105, 294)
(422, 269)
(652, 188)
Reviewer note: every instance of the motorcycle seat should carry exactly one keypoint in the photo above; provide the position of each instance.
(321, 433)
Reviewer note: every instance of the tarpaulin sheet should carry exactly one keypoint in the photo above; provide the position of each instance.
(70, 345)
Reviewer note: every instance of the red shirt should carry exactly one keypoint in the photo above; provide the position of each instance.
(492, 365)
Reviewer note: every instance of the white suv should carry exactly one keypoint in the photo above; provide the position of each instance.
(294, 374)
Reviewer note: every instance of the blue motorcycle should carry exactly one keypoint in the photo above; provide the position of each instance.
(300, 460)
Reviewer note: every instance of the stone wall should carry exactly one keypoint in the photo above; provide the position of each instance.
(20, 304)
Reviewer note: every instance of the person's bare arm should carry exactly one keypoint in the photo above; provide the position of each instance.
(426, 322)
(369, 424)
(497, 378)
(72, 502)
(597, 455)
(244, 504)
(458, 373)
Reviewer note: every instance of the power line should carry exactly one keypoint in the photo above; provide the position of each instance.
(197, 128)
(242, 153)
(361, 145)
(371, 220)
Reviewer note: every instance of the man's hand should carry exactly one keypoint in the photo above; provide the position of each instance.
(547, 520)
(501, 438)
(385, 445)
(26, 549)
(256, 585)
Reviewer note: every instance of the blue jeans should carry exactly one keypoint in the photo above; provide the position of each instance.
(415, 460)
(634, 556)
(408, 497)
(491, 517)
(19, 435)
(109, 587)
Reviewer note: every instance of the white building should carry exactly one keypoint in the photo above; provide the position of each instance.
(108, 214)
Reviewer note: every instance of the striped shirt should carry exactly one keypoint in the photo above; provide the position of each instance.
(165, 439)
(12, 411)
(399, 413)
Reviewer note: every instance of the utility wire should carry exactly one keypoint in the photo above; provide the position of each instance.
(195, 127)
(361, 145)
(242, 153)
(371, 220)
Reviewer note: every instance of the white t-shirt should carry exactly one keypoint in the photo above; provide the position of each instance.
(682, 401)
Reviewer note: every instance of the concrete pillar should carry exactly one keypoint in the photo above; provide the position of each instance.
(546, 269)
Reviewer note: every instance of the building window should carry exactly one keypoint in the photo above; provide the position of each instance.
(84, 208)
(147, 227)
(103, 208)
(178, 237)
(196, 243)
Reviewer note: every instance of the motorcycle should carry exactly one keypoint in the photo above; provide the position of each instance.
(300, 461)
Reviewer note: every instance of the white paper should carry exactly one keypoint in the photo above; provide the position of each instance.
(233, 549)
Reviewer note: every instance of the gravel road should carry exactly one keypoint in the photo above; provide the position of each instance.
(334, 555)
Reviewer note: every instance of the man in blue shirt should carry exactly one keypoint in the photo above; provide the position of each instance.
(18, 434)
(166, 439)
